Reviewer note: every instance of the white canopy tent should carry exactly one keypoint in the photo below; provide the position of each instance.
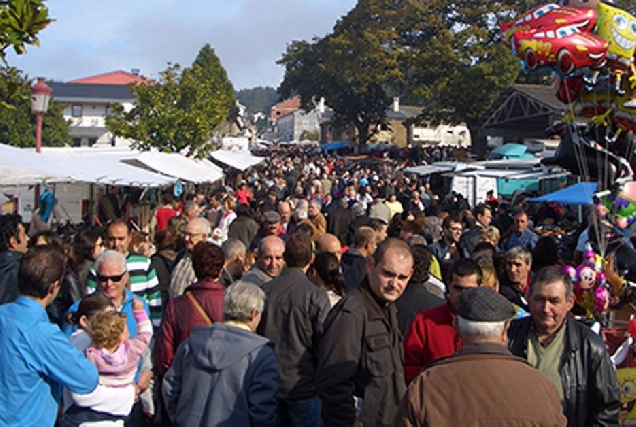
(26, 167)
(97, 167)
(237, 159)
(193, 170)
(171, 166)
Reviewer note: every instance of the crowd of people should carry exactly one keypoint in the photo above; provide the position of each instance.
(317, 291)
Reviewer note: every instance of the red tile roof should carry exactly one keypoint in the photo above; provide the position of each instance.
(112, 78)
(284, 108)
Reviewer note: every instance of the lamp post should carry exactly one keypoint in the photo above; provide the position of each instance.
(40, 95)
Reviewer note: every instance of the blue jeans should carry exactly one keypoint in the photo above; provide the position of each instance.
(300, 413)
(76, 415)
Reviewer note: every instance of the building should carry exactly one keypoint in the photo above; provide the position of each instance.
(400, 129)
(522, 115)
(298, 125)
(284, 108)
(87, 102)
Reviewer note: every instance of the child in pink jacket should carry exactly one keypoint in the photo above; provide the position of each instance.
(115, 355)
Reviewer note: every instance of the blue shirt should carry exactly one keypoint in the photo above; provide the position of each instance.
(37, 361)
(528, 240)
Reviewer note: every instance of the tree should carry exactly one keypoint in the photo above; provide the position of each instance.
(356, 68)
(455, 61)
(259, 99)
(17, 122)
(208, 70)
(20, 22)
(446, 55)
(179, 112)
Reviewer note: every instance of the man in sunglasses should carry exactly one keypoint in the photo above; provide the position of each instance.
(141, 275)
(112, 277)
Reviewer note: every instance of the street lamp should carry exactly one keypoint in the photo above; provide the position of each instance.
(40, 95)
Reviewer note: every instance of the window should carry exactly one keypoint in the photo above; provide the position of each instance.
(76, 111)
(77, 142)
(92, 141)
(109, 111)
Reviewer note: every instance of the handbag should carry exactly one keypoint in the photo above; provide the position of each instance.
(198, 308)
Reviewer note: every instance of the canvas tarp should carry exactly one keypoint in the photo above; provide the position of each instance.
(237, 159)
(577, 194)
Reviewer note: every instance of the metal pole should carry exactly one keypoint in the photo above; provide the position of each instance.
(38, 132)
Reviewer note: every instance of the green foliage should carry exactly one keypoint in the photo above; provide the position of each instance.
(311, 135)
(356, 68)
(457, 63)
(444, 55)
(180, 112)
(259, 99)
(17, 122)
(20, 22)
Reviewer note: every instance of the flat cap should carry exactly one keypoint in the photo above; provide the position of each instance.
(271, 217)
(484, 305)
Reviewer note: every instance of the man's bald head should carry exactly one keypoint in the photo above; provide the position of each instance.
(327, 242)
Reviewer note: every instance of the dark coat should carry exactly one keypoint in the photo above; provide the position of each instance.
(244, 229)
(470, 239)
(591, 392)
(512, 292)
(414, 299)
(163, 262)
(9, 265)
(223, 376)
(361, 355)
(354, 268)
(293, 319)
(338, 223)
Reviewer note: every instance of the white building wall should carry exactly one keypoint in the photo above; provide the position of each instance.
(456, 136)
(292, 126)
(93, 116)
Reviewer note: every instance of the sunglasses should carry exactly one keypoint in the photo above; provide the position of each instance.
(104, 279)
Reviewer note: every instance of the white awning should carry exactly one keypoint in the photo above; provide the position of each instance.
(67, 165)
(237, 159)
(178, 166)
(26, 167)
(170, 166)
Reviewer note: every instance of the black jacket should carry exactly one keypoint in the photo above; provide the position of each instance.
(414, 299)
(512, 292)
(470, 239)
(361, 355)
(354, 268)
(591, 392)
(9, 266)
(293, 320)
(338, 222)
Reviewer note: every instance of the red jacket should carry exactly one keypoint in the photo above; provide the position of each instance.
(430, 337)
(180, 317)
(163, 215)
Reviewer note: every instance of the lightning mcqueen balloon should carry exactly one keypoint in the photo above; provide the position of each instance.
(564, 49)
(550, 16)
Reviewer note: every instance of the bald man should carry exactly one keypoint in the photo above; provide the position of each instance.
(328, 242)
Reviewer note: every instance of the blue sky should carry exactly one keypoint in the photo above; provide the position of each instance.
(96, 36)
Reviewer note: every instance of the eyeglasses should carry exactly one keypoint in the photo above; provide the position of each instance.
(192, 235)
(104, 279)
(455, 228)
